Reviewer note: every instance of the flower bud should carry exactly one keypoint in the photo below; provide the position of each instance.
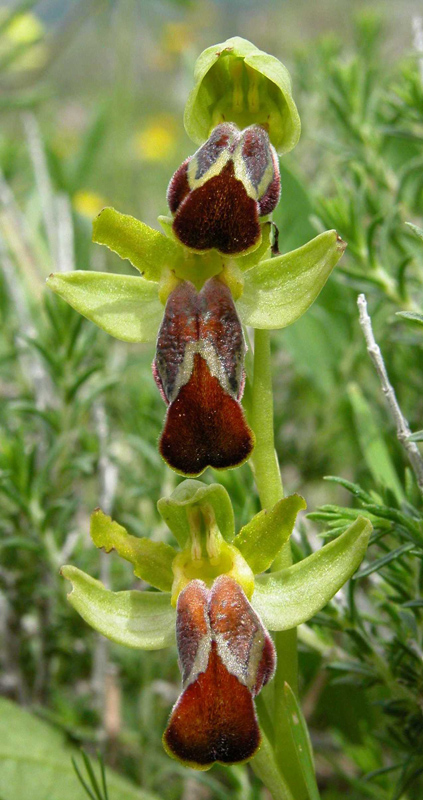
(237, 82)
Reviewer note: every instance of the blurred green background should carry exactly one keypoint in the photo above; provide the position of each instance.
(91, 101)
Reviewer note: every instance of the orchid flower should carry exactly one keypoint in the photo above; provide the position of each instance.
(209, 273)
(211, 270)
(217, 600)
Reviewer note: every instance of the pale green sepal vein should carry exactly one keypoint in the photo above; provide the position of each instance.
(279, 290)
(292, 596)
(152, 561)
(126, 306)
(143, 620)
(175, 509)
(147, 249)
(261, 539)
(301, 740)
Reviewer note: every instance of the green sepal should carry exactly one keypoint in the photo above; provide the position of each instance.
(148, 250)
(237, 82)
(292, 596)
(261, 539)
(144, 620)
(152, 560)
(126, 306)
(174, 510)
(279, 290)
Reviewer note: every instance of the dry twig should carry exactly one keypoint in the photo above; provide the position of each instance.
(402, 426)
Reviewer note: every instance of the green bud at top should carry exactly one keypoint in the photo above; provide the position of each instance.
(237, 82)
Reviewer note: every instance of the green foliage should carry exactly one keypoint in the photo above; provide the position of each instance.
(36, 762)
(358, 169)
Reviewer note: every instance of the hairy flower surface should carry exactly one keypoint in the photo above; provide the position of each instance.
(226, 657)
(199, 368)
(218, 195)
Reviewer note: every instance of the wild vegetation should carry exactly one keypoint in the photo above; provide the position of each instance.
(80, 415)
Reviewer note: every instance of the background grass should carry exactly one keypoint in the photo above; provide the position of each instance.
(92, 95)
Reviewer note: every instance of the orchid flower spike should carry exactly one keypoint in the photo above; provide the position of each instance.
(217, 599)
(211, 270)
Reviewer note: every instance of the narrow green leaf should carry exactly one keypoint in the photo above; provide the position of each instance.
(416, 437)
(291, 596)
(384, 560)
(144, 620)
(126, 306)
(301, 739)
(147, 249)
(279, 290)
(173, 509)
(414, 316)
(373, 447)
(152, 560)
(82, 781)
(261, 539)
(416, 230)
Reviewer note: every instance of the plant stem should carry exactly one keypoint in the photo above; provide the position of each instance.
(269, 485)
(265, 464)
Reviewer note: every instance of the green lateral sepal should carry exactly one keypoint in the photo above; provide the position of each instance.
(292, 596)
(148, 250)
(237, 82)
(144, 620)
(152, 561)
(279, 290)
(260, 541)
(178, 510)
(126, 306)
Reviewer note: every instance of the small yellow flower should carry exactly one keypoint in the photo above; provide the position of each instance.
(87, 203)
(25, 29)
(176, 37)
(24, 34)
(157, 141)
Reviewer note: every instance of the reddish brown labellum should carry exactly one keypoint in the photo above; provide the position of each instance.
(199, 370)
(226, 657)
(218, 195)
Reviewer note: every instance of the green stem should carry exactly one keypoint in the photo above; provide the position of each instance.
(264, 461)
(281, 751)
